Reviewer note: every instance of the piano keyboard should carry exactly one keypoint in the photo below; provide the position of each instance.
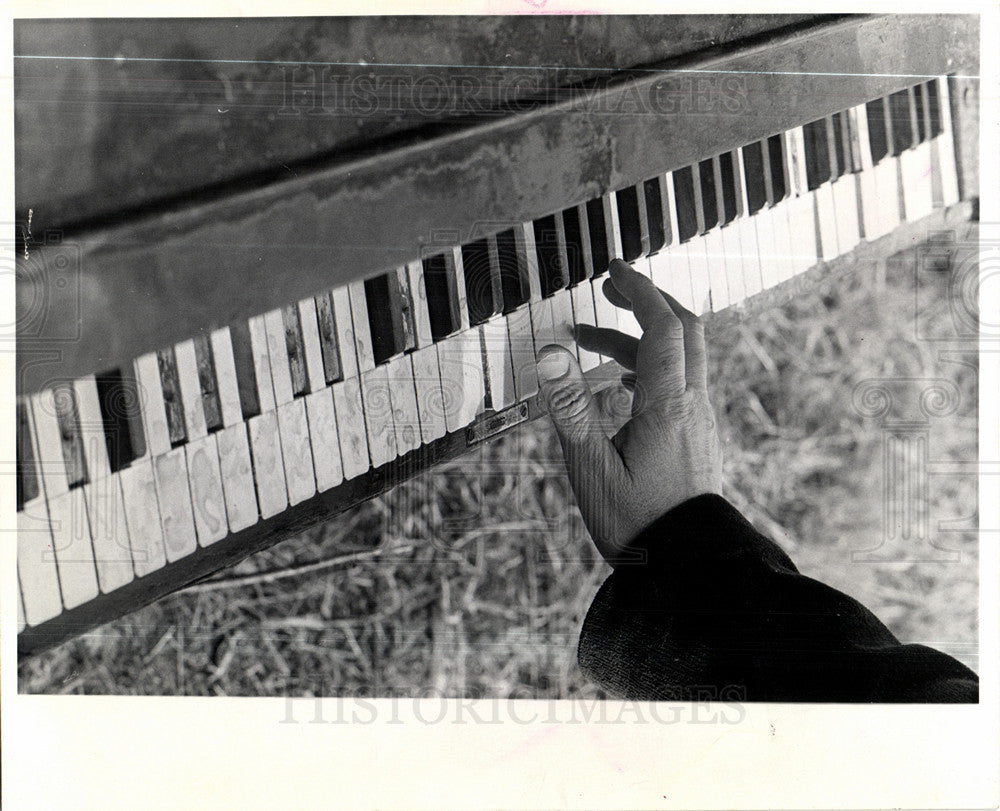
(125, 474)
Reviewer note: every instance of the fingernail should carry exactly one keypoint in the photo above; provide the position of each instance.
(552, 364)
(619, 265)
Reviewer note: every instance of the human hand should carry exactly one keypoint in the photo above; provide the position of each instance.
(669, 450)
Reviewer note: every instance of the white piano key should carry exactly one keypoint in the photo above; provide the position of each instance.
(236, 470)
(946, 146)
(268, 469)
(345, 330)
(716, 262)
(460, 291)
(427, 381)
(541, 323)
(403, 395)
(789, 217)
(227, 385)
(73, 551)
(154, 415)
(670, 271)
(67, 510)
(109, 533)
(753, 279)
(362, 330)
(917, 176)
(826, 215)
(767, 242)
(845, 201)
(322, 418)
(102, 493)
(803, 227)
(277, 349)
(871, 219)
(207, 500)
(746, 227)
(176, 511)
(803, 235)
(524, 238)
(311, 346)
(613, 230)
(462, 386)
(732, 255)
(261, 362)
(36, 564)
(562, 320)
(522, 353)
(351, 429)
(296, 450)
(499, 370)
(604, 311)
(187, 377)
(49, 443)
(377, 402)
(584, 313)
(91, 423)
(887, 194)
(418, 295)
(142, 516)
(701, 286)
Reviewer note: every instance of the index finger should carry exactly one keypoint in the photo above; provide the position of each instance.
(646, 299)
(660, 361)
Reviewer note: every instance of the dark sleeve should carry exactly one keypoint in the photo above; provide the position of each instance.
(716, 610)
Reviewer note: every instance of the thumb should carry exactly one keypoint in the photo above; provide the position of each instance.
(591, 459)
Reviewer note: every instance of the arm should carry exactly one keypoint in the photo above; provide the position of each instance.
(719, 610)
(699, 600)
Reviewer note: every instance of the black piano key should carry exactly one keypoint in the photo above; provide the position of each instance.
(878, 137)
(919, 107)
(294, 349)
(577, 246)
(206, 381)
(69, 434)
(685, 204)
(628, 223)
(332, 368)
(899, 122)
(657, 218)
(401, 301)
(480, 294)
(753, 171)
(551, 273)
(709, 212)
(513, 272)
(599, 245)
(835, 142)
(441, 285)
(27, 481)
(842, 137)
(778, 171)
(120, 413)
(817, 153)
(933, 108)
(726, 180)
(246, 372)
(132, 399)
(172, 401)
(386, 337)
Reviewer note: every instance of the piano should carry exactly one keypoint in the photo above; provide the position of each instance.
(219, 350)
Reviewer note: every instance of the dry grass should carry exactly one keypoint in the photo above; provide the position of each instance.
(474, 579)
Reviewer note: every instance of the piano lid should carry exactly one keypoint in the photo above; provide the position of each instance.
(115, 114)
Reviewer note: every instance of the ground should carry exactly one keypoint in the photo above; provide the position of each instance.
(473, 579)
